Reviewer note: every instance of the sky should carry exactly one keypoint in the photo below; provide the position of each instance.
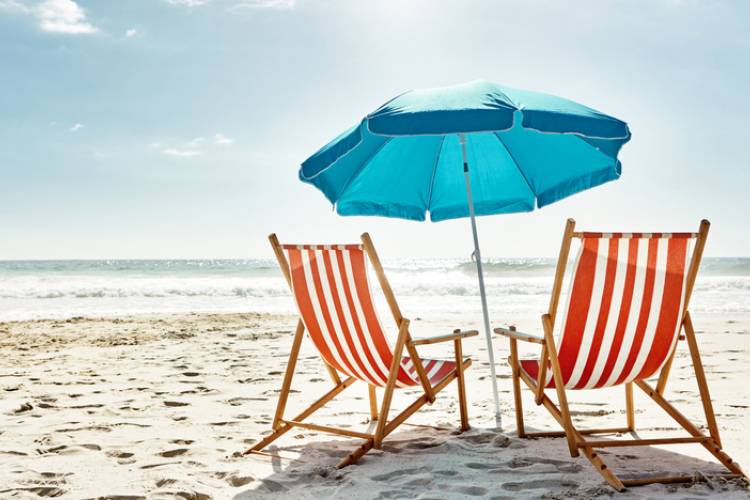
(175, 128)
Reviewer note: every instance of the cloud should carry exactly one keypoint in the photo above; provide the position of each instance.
(237, 4)
(62, 16)
(188, 3)
(183, 153)
(131, 33)
(14, 6)
(54, 16)
(194, 147)
(223, 140)
(76, 127)
(264, 4)
(194, 143)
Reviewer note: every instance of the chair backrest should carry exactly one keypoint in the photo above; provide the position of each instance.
(625, 306)
(333, 295)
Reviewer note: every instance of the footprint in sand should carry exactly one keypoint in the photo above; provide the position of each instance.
(172, 404)
(547, 484)
(474, 491)
(398, 473)
(446, 473)
(235, 479)
(173, 453)
(183, 442)
(123, 457)
(40, 491)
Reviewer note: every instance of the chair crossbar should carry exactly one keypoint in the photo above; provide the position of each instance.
(329, 429)
(643, 442)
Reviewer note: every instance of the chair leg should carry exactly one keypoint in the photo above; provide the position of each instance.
(461, 386)
(354, 456)
(629, 408)
(711, 445)
(290, 366)
(373, 402)
(562, 398)
(392, 376)
(588, 452)
(366, 446)
(283, 428)
(516, 375)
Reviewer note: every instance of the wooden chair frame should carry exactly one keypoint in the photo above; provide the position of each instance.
(576, 438)
(404, 341)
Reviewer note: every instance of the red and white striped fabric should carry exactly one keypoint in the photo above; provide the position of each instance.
(624, 308)
(330, 286)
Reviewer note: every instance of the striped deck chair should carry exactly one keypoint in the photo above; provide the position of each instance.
(626, 309)
(332, 292)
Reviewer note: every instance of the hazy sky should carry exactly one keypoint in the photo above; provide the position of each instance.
(175, 128)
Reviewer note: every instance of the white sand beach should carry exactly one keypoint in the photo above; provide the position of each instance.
(159, 406)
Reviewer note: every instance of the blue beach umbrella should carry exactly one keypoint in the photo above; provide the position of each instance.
(471, 149)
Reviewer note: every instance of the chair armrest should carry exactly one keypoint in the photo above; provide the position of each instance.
(524, 337)
(457, 334)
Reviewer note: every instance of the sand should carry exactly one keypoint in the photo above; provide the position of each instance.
(159, 406)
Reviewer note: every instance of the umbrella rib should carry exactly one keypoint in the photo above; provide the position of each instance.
(518, 167)
(360, 169)
(434, 170)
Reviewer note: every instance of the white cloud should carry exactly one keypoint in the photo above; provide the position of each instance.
(131, 33)
(193, 147)
(264, 4)
(188, 3)
(76, 127)
(238, 4)
(15, 6)
(196, 142)
(183, 153)
(62, 16)
(223, 140)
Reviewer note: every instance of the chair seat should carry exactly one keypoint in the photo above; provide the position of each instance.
(436, 369)
(531, 367)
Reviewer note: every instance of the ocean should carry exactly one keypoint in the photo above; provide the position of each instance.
(444, 287)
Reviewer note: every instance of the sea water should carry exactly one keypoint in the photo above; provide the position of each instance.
(425, 287)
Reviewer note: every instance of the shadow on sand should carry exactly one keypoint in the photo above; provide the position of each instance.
(427, 462)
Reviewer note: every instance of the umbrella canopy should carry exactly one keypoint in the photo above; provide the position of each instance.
(519, 150)
(526, 150)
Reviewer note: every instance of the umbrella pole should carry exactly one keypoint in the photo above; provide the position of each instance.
(480, 273)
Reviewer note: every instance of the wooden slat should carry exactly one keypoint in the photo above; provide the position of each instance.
(642, 442)
(403, 333)
(562, 398)
(288, 374)
(629, 407)
(373, 402)
(457, 334)
(583, 432)
(421, 401)
(463, 410)
(368, 444)
(710, 445)
(283, 429)
(372, 254)
(588, 452)
(700, 377)
(675, 479)
(512, 333)
(328, 429)
(516, 369)
(419, 368)
(562, 262)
